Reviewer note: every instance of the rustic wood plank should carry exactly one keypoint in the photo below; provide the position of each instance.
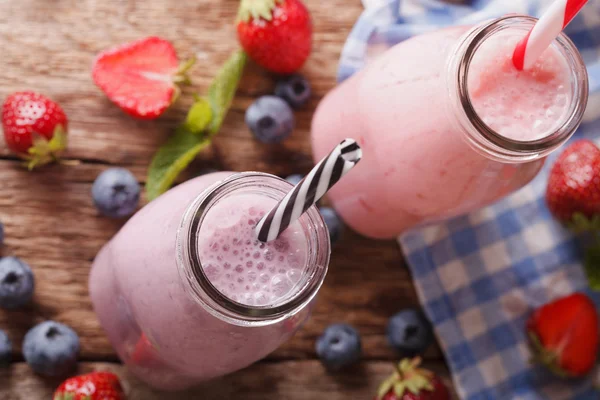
(288, 380)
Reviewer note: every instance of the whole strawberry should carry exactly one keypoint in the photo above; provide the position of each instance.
(93, 386)
(409, 382)
(574, 183)
(276, 34)
(564, 335)
(35, 127)
(141, 77)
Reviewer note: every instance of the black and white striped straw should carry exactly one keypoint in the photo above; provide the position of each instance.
(310, 189)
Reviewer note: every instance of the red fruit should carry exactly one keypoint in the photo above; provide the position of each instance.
(574, 183)
(276, 34)
(141, 77)
(564, 335)
(144, 355)
(409, 382)
(93, 386)
(34, 127)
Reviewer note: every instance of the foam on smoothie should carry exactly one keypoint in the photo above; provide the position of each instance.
(519, 105)
(241, 267)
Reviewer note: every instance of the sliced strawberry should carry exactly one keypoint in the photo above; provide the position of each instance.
(141, 77)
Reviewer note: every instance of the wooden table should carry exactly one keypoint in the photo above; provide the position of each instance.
(50, 221)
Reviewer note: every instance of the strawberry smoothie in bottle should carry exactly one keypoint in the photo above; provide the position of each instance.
(186, 292)
(448, 124)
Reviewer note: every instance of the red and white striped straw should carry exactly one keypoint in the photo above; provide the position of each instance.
(548, 27)
(310, 189)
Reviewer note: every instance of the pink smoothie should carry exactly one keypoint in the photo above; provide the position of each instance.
(158, 328)
(519, 105)
(418, 167)
(241, 267)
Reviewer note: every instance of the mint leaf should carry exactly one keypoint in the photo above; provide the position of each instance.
(172, 158)
(206, 115)
(223, 87)
(199, 116)
(592, 266)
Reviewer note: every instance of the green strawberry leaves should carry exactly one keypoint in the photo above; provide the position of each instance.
(203, 120)
(256, 9)
(44, 151)
(580, 223)
(592, 266)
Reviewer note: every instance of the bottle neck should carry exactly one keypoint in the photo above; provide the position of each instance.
(199, 285)
(477, 133)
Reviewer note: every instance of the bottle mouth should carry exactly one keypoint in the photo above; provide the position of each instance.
(486, 139)
(213, 300)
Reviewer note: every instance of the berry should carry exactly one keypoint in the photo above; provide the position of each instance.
(294, 179)
(339, 346)
(294, 89)
(144, 354)
(51, 348)
(116, 193)
(16, 283)
(276, 34)
(92, 386)
(409, 382)
(564, 335)
(270, 119)
(141, 77)
(335, 226)
(409, 332)
(574, 182)
(35, 127)
(5, 349)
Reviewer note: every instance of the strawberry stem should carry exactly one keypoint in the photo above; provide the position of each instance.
(257, 9)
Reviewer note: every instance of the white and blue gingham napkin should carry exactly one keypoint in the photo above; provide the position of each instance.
(479, 276)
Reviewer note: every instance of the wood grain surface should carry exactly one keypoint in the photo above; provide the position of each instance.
(51, 223)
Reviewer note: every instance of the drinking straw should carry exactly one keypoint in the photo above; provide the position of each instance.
(309, 190)
(545, 30)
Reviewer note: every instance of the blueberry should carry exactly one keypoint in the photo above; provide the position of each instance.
(5, 349)
(16, 283)
(294, 179)
(335, 226)
(270, 119)
(339, 346)
(294, 89)
(116, 193)
(51, 348)
(409, 332)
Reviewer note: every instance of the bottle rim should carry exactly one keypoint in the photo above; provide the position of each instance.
(485, 139)
(200, 286)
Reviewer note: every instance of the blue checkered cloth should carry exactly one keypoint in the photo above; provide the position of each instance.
(479, 276)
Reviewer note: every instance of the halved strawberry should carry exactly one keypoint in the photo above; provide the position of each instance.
(141, 77)
(564, 335)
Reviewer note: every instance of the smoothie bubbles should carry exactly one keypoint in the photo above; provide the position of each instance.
(187, 292)
(449, 124)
